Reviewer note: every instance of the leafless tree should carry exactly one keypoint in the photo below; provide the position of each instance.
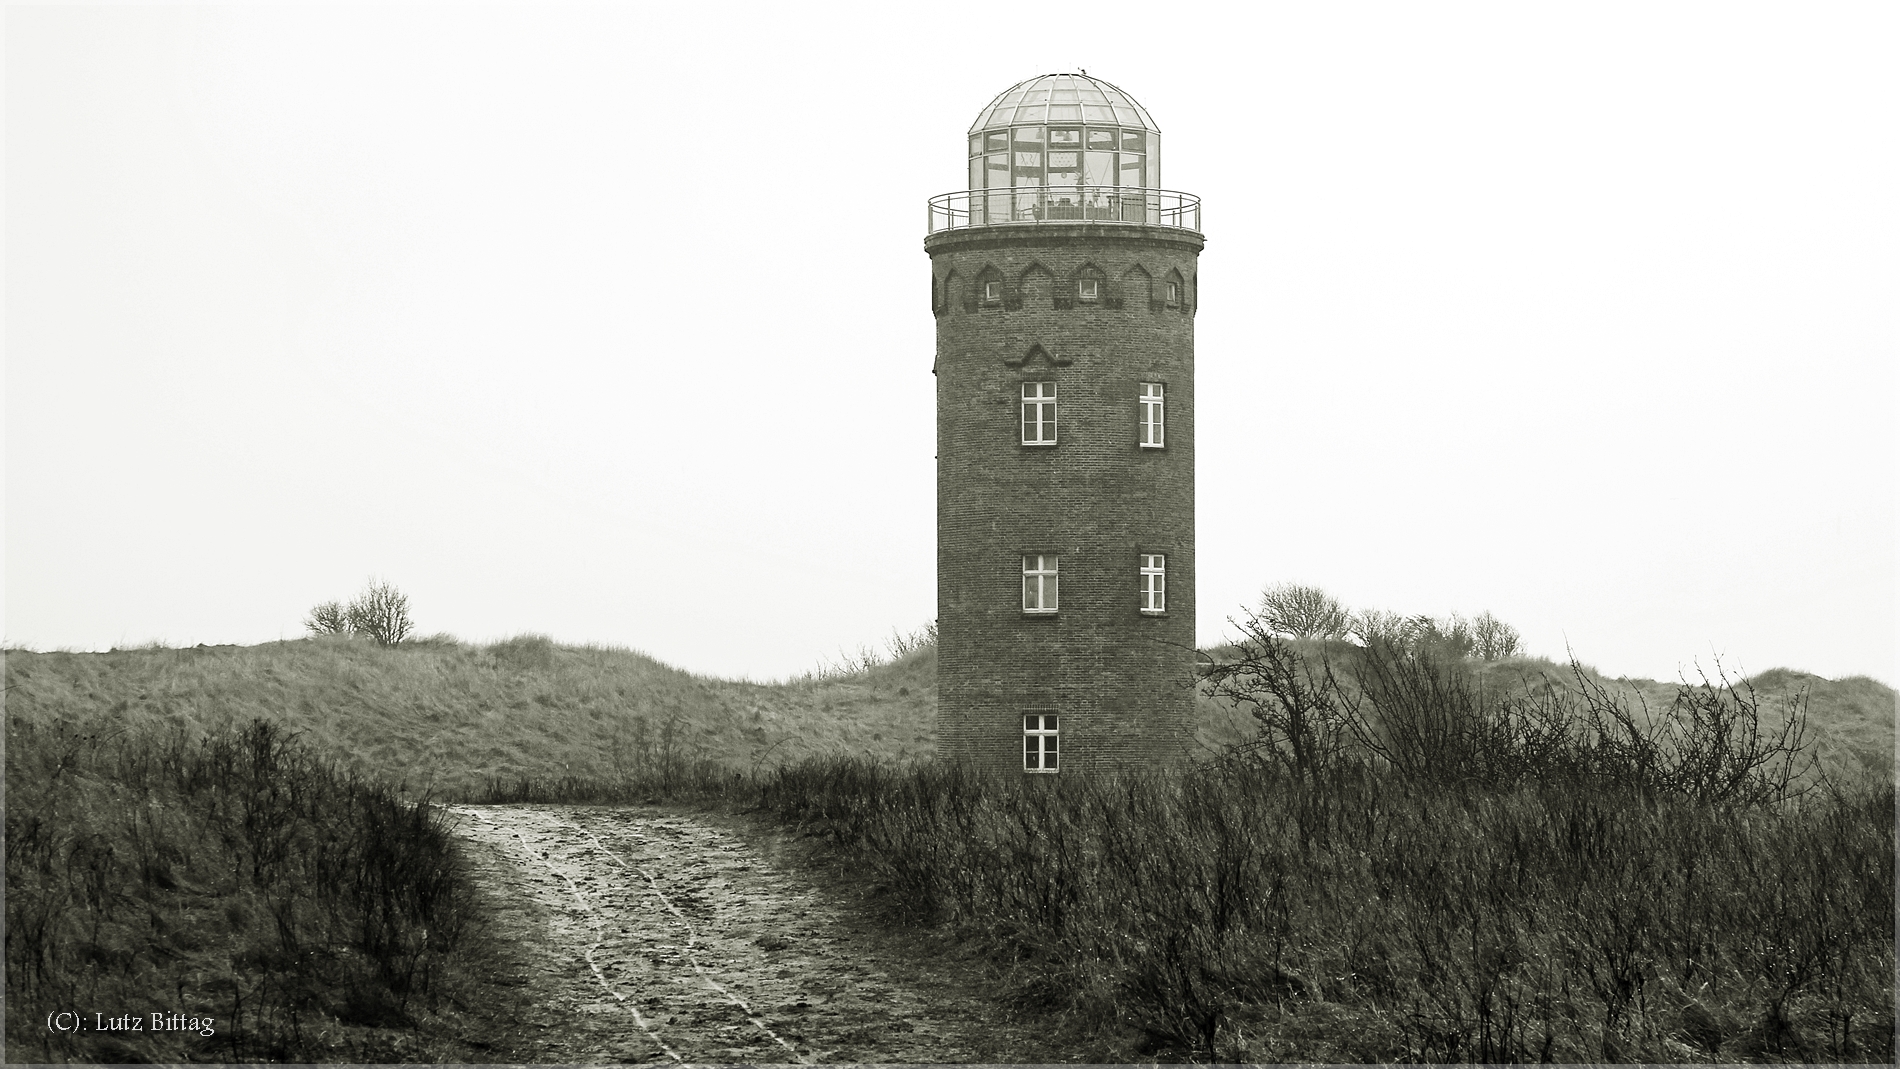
(1295, 704)
(1484, 636)
(382, 613)
(1302, 612)
(1375, 625)
(329, 618)
(1492, 639)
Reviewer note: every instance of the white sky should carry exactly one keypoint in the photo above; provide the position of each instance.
(611, 322)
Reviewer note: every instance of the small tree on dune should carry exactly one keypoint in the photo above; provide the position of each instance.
(1302, 612)
(380, 612)
(1492, 639)
(329, 618)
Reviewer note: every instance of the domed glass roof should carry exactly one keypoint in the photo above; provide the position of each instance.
(1074, 98)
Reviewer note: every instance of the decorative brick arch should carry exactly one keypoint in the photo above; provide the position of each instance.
(1035, 288)
(1037, 354)
(943, 293)
(1136, 289)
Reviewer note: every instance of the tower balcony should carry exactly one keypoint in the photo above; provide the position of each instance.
(1032, 205)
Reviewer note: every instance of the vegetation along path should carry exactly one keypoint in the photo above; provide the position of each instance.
(654, 936)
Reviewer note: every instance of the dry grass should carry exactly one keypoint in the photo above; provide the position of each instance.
(1228, 915)
(444, 718)
(283, 910)
(1240, 916)
(448, 718)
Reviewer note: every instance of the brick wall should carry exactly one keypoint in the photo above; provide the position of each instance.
(1118, 678)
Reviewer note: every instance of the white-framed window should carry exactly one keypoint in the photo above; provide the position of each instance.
(1154, 582)
(1041, 742)
(1039, 582)
(1039, 413)
(1088, 289)
(1174, 293)
(992, 290)
(1152, 423)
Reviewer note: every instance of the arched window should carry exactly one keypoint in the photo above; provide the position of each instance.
(988, 290)
(1089, 286)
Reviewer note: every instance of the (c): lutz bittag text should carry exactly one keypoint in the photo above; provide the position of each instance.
(156, 1021)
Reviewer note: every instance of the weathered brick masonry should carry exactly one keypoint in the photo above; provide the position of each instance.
(1115, 675)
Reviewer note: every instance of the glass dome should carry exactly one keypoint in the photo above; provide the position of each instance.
(1061, 147)
(1066, 98)
(1064, 130)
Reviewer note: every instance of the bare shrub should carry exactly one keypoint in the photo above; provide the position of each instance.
(1711, 745)
(329, 618)
(382, 613)
(1374, 625)
(1422, 713)
(1492, 639)
(1302, 612)
(1416, 709)
(1301, 724)
(1484, 636)
(1429, 636)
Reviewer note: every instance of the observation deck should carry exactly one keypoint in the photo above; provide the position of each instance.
(1031, 205)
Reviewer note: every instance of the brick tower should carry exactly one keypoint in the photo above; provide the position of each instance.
(1064, 286)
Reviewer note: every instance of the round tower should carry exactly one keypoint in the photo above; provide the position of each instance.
(1064, 286)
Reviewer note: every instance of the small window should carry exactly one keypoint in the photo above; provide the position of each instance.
(1039, 413)
(992, 291)
(1088, 289)
(1039, 583)
(1152, 427)
(1154, 583)
(1174, 294)
(1041, 746)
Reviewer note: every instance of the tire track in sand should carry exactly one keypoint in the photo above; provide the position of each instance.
(667, 939)
(600, 936)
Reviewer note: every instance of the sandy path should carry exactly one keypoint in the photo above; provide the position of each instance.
(654, 936)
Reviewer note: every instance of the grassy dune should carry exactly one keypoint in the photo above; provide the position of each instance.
(447, 718)
(240, 826)
(444, 718)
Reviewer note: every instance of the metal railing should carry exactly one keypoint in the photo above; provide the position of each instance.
(1064, 204)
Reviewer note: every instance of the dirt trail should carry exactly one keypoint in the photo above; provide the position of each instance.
(654, 936)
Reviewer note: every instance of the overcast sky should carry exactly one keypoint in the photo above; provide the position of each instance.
(612, 322)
